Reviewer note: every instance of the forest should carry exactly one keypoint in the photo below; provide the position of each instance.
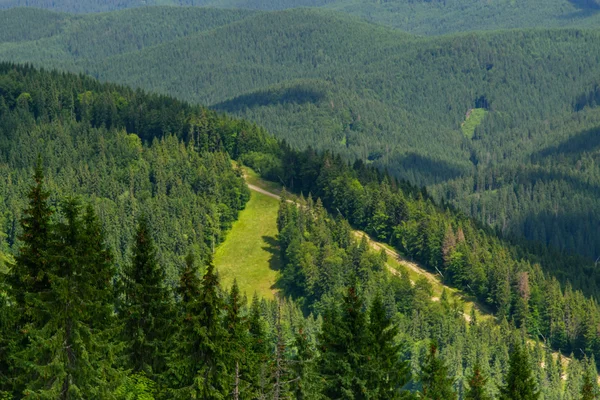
(510, 140)
(425, 17)
(462, 134)
(108, 289)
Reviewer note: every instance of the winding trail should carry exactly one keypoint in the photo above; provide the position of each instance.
(263, 191)
(396, 256)
(416, 268)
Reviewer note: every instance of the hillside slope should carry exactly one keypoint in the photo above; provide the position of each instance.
(395, 100)
(421, 16)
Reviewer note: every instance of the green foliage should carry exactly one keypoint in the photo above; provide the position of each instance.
(388, 374)
(146, 308)
(359, 341)
(477, 385)
(528, 171)
(436, 384)
(344, 348)
(422, 16)
(136, 387)
(520, 383)
(84, 133)
(69, 332)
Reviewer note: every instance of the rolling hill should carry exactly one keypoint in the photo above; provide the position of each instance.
(416, 16)
(126, 155)
(329, 81)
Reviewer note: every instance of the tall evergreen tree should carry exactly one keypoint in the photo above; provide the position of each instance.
(198, 361)
(72, 354)
(477, 383)
(589, 389)
(259, 348)
(238, 344)
(344, 343)
(388, 374)
(436, 384)
(147, 309)
(28, 277)
(307, 384)
(520, 383)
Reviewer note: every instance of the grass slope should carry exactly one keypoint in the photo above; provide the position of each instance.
(250, 253)
(474, 119)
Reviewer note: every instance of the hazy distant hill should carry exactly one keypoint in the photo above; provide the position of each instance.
(417, 16)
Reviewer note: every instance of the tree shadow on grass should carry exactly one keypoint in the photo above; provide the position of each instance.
(272, 247)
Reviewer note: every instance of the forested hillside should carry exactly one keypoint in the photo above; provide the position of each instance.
(416, 16)
(110, 290)
(501, 124)
(121, 151)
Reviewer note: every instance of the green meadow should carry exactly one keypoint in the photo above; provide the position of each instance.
(250, 253)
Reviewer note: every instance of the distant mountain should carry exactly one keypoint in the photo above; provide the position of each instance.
(416, 16)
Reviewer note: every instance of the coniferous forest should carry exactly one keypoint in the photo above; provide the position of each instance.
(501, 124)
(109, 291)
(457, 136)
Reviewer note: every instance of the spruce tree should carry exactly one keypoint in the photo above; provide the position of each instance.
(520, 383)
(259, 348)
(28, 277)
(238, 344)
(388, 374)
(477, 383)
(436, 384)
(71, 355)
(589, 389)
(344, 343)
(304, 368)
(198, 360)
(185, 357)
(147, 310)
(28, 280)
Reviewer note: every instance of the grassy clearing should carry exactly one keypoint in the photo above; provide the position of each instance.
(474, 119)
(250, 253)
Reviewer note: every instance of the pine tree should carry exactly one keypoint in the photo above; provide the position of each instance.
(198, 361)
(28, 278)
(344, 344)
(184, 359)
(72, 354)
(388, 374)
(307, 384)
(259, 348)
(147, 309)
(189, 281)
(589, 389)
(520, 383)
(28, 281)
(238, 343)
(477, 383)
(437, 385)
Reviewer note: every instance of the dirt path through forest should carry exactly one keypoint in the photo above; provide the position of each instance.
(416, 268)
